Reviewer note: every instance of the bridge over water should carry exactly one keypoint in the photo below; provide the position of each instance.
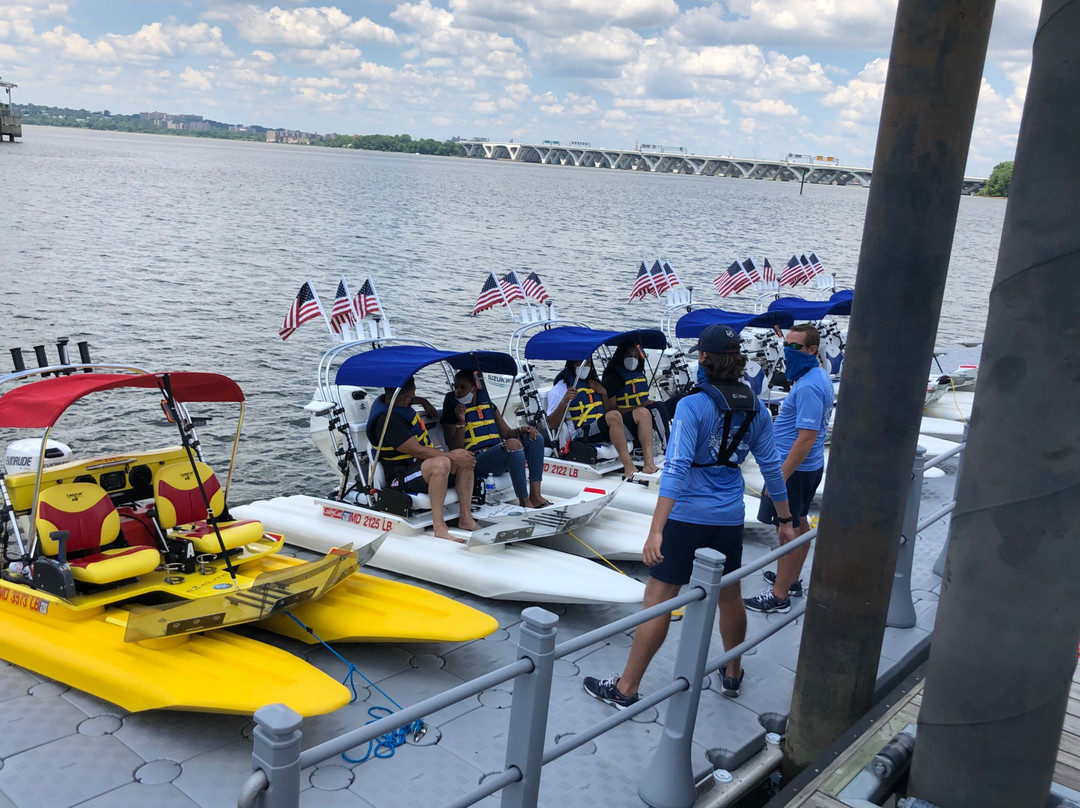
(679, 162)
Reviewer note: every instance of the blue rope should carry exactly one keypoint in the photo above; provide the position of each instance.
(384, 745)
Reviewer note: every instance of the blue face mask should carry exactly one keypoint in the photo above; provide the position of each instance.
(798, 363)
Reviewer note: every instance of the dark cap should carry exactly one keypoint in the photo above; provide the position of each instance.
(718, 339)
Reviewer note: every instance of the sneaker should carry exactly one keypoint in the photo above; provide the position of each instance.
(729, 685)
(767, 602)
(795, 590)
(607, 690)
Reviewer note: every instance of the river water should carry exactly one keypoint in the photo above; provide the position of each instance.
(183, 253)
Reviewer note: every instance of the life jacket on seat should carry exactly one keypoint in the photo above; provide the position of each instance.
(635, 388)
(409, 416)
(481, 430)
(730, 398)
(585, 407)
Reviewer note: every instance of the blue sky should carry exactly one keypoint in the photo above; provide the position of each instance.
(743, 77)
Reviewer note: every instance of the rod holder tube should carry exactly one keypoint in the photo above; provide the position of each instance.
(668, 781)
(39, 354)
(17, 360)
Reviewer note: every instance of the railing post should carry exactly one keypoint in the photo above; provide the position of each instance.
(939, 565)
(669, 779)
(901, 606)
(529, 707)
(277, 752)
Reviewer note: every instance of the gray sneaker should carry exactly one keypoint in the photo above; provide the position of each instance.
(767, 603)
(729, 685)
(794, 591)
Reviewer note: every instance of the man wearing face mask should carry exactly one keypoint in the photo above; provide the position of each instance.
(470, 421)
(627, 386)
(578, 408)
(800, 429)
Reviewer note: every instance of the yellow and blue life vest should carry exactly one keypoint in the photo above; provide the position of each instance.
(481, 430)
(585, 407)
(634, 391)
(409, 416)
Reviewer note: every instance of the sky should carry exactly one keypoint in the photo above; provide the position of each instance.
(749, 78)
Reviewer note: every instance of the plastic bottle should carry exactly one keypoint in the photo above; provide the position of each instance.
(489, 490)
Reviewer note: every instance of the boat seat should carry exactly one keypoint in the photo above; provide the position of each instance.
(181, 509)
(85, 511)
(420, 502)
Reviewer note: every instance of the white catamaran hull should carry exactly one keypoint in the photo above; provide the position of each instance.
(510, 571)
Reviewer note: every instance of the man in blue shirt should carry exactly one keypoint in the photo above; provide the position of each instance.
(700, 504)
(800, 430)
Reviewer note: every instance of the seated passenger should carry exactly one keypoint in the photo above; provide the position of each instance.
(577, 409)
(412, 462)
(626, 385)
(472, 422)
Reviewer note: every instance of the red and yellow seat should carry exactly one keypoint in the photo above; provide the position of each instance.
(87, 513)
(180, 505)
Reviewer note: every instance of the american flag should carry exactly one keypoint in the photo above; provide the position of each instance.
(818, 268)
(490, 295)
(511, 287)
(732, 281)
(673, 279)
(343, 311)
(808, 270)
(792, 274)
(659, 278)
(367, 299)
(534, 288)
(767, 273)
(305, 307)
(642, 285)
(751, 270)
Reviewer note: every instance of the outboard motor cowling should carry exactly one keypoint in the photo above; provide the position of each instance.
(22, 455)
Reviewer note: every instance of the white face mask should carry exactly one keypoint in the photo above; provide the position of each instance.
(630, 363)
(581, 371)
(465, 400)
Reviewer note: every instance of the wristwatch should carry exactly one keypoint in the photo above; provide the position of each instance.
(784, 521)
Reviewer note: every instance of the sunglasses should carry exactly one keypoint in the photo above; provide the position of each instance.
(798, 346)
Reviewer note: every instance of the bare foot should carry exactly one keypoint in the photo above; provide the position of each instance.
(628, 473)
(466, 522)
(443, 532)
(649, 468)
(538, 503)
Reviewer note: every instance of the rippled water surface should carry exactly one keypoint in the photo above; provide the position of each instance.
(178, 253)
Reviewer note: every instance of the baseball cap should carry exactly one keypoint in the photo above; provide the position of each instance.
(718, 339)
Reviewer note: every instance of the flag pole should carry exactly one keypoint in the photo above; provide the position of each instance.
(322, 310)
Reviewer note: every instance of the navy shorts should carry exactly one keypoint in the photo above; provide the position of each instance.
(801, 487)
(681, 539)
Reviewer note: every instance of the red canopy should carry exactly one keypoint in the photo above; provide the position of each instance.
(40, 404)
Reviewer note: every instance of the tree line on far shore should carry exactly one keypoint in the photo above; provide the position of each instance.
(999, 181)
(393, 143)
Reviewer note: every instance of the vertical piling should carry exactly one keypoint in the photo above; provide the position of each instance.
(1007, 625)
(529, 707)
(901, 606)
(669, 780)
(935, 70)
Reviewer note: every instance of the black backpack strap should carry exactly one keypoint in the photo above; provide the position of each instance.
(729, 398)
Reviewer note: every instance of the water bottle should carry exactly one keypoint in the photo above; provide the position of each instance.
(489, 490)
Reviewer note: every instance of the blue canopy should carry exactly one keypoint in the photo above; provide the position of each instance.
(692, 324)
(839, 303)
(577, 342)
(393, 365)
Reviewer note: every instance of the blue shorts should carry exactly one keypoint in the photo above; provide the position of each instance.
(801, 487)
(682, 539)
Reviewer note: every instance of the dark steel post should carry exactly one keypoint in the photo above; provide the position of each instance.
(668, 782)
(1007, 626)
(901, 606)
(529, 707)
(935, 69)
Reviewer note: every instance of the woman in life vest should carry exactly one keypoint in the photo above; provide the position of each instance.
(472, 422)
(627, 386)
(413, 463)
(578, 408)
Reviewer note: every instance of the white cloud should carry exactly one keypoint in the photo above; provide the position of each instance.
(332, 56)
(767, 106)
(196, 79)
(562, 17)
(859, 101)
(306, 27)
(587, 53)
